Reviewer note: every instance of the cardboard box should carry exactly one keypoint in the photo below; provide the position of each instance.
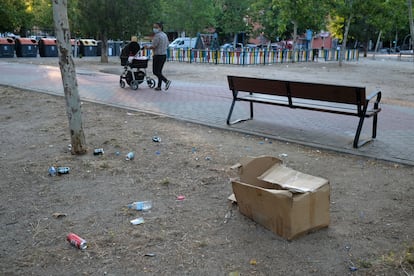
(285, 201)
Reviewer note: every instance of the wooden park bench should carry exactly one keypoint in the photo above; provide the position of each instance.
(345, 100)
(405, 53)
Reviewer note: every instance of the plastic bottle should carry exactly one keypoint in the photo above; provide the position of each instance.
(52, 171)
(130, 156)
(140, 205)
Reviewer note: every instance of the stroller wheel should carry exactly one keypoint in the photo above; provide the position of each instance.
(151, 83)
(121, 83)
(134, 85)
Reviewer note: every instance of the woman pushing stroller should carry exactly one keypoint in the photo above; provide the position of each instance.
(159, 46)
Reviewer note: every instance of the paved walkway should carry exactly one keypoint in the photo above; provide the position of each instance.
(208, 105)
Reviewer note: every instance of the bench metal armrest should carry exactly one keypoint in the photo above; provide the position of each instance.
(376, 94)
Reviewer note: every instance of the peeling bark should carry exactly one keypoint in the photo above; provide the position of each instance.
(68, 72)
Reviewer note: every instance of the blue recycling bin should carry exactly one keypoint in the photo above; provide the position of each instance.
(26, 47)
(6, 47)
(48, 47)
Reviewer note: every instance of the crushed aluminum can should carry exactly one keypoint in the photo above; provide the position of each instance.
(99, 151)
(76, 241)
(156, 139)
(63, 170)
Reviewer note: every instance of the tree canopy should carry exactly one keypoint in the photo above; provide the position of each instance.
(281, 19)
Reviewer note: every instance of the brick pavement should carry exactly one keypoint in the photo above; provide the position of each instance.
(208, 104)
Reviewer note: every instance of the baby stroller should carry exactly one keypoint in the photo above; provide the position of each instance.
(135, 71)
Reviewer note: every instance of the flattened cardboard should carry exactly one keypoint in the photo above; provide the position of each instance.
(292, 180)
(285, 201)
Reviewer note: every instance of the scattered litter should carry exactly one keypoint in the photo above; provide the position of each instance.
(99, 151)
(156, 139)
(117, 153)
(52, 171)
(76, 241)
(234, 273)
(130, 156)
(228, 216)
(63, 170)
(232, 198)
(140, 205)
(353, 268)
(180, 197)
(157, 152)
(59, 215)
(253, 262)
(283, 155)
(137, 221)
(208, 158)
(150, 255)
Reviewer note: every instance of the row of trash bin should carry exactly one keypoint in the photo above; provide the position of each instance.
(47, 47)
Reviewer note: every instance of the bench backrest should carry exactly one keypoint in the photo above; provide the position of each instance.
(303, 90)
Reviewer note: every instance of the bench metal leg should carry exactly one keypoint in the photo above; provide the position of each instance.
(230, 112)
(358, 132)
(359, 129)
(374, 126)
(239, 120)
(358, 144)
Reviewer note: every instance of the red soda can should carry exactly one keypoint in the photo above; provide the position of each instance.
(76, 241)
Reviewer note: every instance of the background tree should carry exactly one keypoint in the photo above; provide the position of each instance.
(300, 15)
(42, 15)
(266, 13)
(411, 21)
(344, 11)
(187, 16)
(114, 19)
(15, 16)
(68, 72)
(231, 17)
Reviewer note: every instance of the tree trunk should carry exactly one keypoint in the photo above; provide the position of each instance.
(377, 44)
(68, 72)
(104, 49)
(410, 15)
(295, 34)
(343, 47)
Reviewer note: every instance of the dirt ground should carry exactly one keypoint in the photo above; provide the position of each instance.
(372, 207)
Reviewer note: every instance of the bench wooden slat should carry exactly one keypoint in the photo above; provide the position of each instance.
(329, 93)
(265, 86)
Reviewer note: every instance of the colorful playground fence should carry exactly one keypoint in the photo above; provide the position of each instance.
(257, 56)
